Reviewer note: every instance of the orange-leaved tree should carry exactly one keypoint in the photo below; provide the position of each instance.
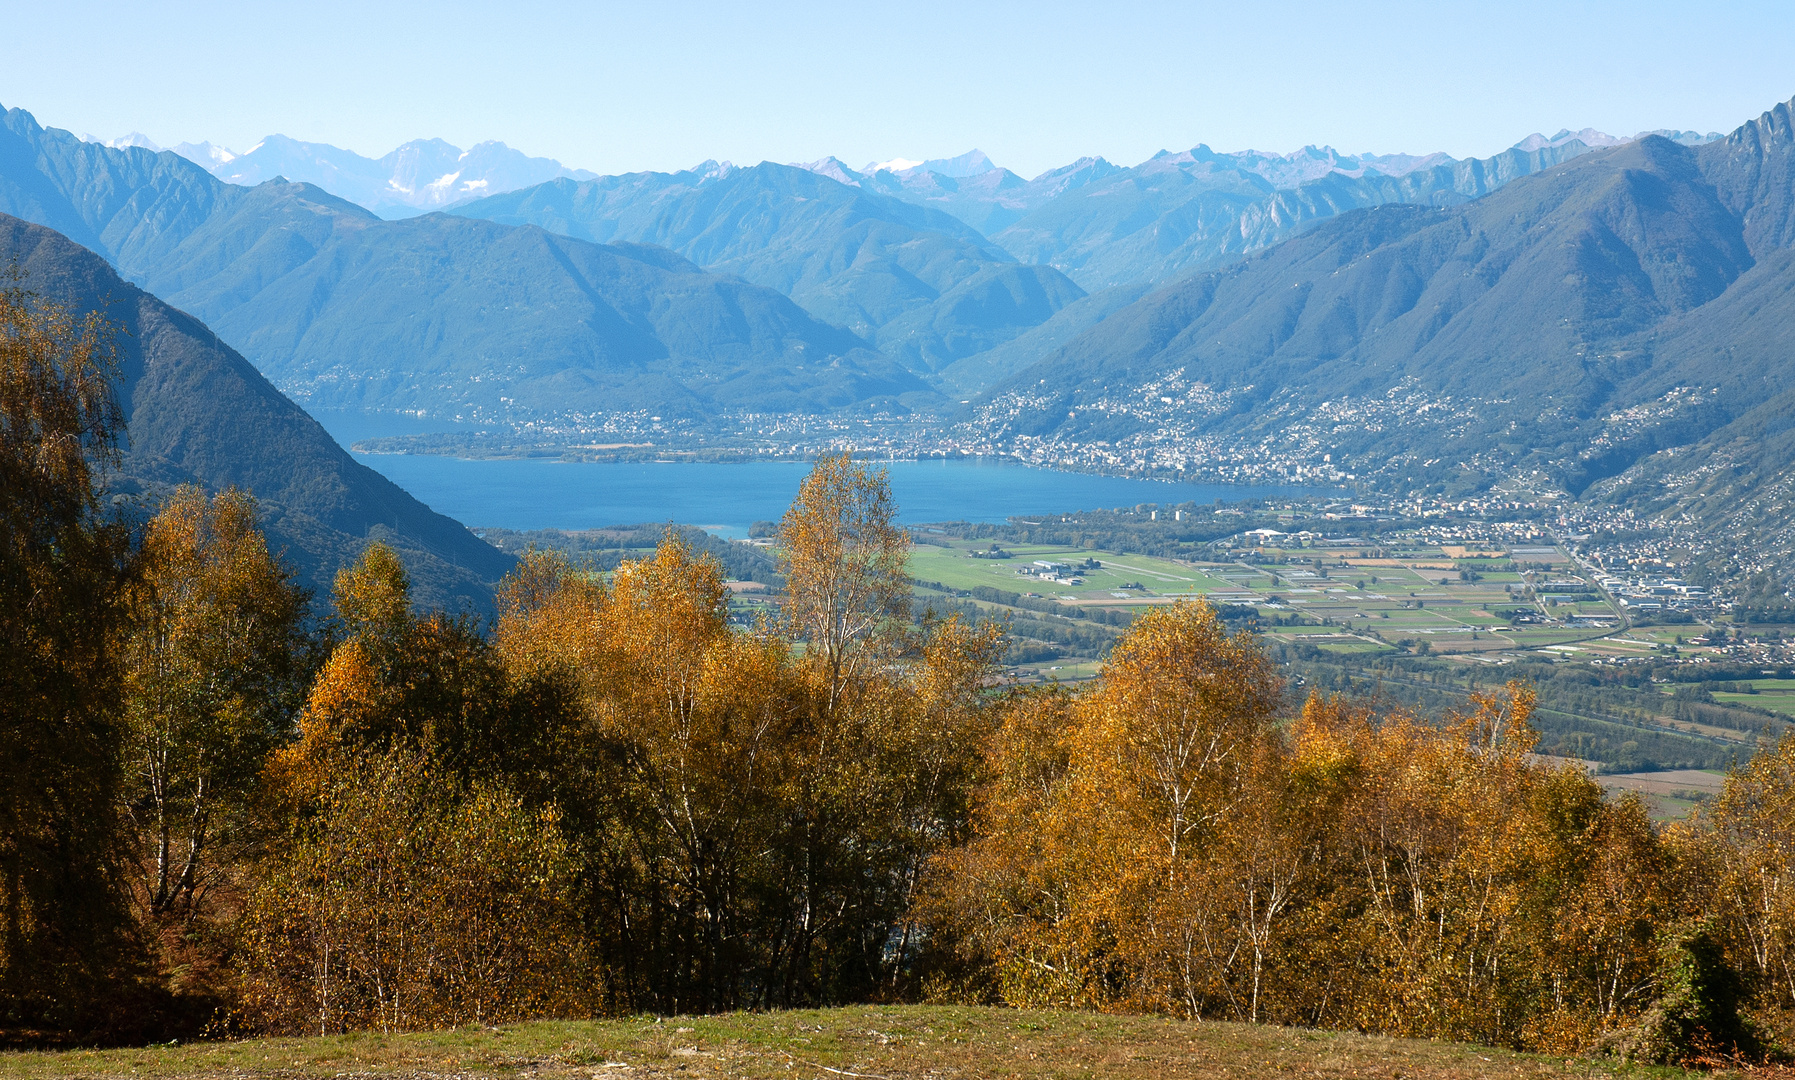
(1157, 840)
(1093, 883)
(1748, 837)
(425, 880)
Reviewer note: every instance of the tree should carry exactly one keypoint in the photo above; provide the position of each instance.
(843, 558)
(215, 672)
(1749, 837)
(65, 943)
(1154, 840)
(424, 878)
(407, 900)
(1111, 864)
(427, 682)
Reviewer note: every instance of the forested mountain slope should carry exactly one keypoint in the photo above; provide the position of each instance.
(440, 314)
(920, 284)
(1574, 321)
(197, 412)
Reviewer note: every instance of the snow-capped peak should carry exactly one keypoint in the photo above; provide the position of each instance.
(136, 138)
(896, 164)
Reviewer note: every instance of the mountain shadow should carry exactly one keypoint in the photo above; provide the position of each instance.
(198, 413)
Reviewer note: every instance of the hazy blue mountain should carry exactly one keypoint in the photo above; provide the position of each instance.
(973, 374)
(447, 315)
(1718, 440)
(127, 204)
(1105, 225)
(917, 282)
(971, 163)
(197, 412)
(1181, 212)
(420, 176)
(467, 318)
(988, 199)
(1594, 139)
(1577, 320)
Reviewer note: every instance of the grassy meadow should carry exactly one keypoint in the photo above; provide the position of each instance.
(856, 1041)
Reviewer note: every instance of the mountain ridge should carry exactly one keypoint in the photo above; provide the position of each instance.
(918, 283)
(414, 178)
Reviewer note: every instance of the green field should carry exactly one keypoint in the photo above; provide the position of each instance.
(1409, 596)
(1781, 701)
(1161, 578)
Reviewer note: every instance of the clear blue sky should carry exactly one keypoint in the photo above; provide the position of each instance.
(662, 85)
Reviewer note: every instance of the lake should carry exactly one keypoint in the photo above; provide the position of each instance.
(727, 498)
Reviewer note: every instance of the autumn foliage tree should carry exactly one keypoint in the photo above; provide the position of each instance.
(843, 558)
(423, 880)
(1739, 855)
(216, 667)
(67, 950)
(1156, 840)
(754, 817)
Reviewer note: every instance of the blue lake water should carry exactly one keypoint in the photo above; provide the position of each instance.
(526, 494)
(728, 497)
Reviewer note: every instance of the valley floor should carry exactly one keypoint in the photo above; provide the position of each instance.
(857, 1041)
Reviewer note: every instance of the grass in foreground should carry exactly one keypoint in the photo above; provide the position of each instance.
(861, 1041)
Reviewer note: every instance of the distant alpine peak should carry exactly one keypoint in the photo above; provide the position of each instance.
(416, 177)
(1598, 139)
(832, 167)
(711, 169)
(1588, 137)
(971, 163)
(1297, 167)
(204, 154)
(136, 138)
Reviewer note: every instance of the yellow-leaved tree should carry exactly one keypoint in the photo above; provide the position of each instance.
(215, 672)
(843, 557)
(752, 807)
(1158, 839)
(68, 953)
(1748, 838)
(216, 665)
(425, 880)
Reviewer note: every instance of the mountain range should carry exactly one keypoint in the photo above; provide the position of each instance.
(440, 315)
(919, 284)
(418, 177)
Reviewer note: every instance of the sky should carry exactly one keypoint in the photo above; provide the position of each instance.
(663, 85)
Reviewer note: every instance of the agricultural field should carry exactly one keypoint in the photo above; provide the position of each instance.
(888, 1042)
(1778, 695)
(1346, 600)
(1121, 579)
